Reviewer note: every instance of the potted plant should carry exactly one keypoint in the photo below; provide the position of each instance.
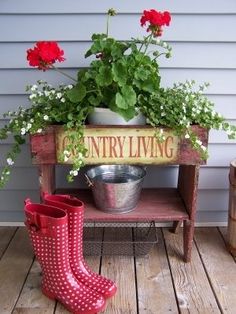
(123, 77)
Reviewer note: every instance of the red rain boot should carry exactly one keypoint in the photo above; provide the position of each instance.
(75, 210)
(48, 231)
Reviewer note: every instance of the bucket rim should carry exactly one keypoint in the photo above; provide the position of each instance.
(140, 178)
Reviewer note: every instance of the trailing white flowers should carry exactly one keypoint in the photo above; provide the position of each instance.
(49, 106)
(180, 107)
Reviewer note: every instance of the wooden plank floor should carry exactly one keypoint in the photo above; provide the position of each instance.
(158, 283)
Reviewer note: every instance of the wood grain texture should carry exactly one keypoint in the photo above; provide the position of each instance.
(46, 179)
(220, 266)
(31, 298)
(43, 147)
(120, 269)
(6, 234)
(231, 237)
(14, 267)
(154, 204)
(155, 289)
(192, 288)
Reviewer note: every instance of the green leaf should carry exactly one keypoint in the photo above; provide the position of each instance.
(119, 72)
(19, 139)
(141, 73)
(104, 77)
(77, 93)
(127, 114)
(127, 98)
(120, 101)
(95, 101)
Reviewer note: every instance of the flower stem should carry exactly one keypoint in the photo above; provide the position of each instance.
(63, 73)
(147, 43)
(108, 20)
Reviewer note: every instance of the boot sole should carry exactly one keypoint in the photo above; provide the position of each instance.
(52, 297)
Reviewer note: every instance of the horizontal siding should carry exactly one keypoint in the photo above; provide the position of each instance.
(22, 178)
(210, 178)
(12, 203)
(75, 51)
(14, 82)
(204, 47)
(79, 27)
(124, 6)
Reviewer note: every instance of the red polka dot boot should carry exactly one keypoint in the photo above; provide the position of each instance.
(48, 231)
(75, 210)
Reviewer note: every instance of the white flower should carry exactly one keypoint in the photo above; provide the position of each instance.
(59, 95)
(29, 125)
(34, 88)
(66, 158)
(32, 96)
(39, 131)
(23, 131)
(187, 135)
(70, 86)
(10, 162)
(46, 93)
(203, 148)
(31, 120)
(199, 142)
(63, 100)
(73, 173)
(80, 155)
(66, 154)
(46, 117)
(161, 131)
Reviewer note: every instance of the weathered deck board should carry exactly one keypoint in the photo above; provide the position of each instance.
(14, 267)
(20, 292)
(154, 284)
(31, 298)
(193, 290)
(121, 270)
(6, 234)
(220, 266)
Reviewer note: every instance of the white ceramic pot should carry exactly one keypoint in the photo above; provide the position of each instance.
(104, 116)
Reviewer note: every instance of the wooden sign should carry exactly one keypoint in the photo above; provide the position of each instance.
(117, 145)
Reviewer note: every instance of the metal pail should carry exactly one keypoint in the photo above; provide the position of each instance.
(116, 188)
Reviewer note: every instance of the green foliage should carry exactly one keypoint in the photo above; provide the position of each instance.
(48, 106)
(180, 107)
(121, 73)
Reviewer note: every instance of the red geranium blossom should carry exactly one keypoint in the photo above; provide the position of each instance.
(45, 54)
(156, 21)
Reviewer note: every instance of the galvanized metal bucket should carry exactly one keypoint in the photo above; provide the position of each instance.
(116, 188)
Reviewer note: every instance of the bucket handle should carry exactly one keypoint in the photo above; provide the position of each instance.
(88, 181)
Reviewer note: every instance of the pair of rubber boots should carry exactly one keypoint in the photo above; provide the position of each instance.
(56, 232)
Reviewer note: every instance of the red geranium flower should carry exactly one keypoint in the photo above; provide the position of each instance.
(45, 54)
(156, 21)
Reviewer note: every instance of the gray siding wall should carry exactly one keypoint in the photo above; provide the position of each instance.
(203, 38)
